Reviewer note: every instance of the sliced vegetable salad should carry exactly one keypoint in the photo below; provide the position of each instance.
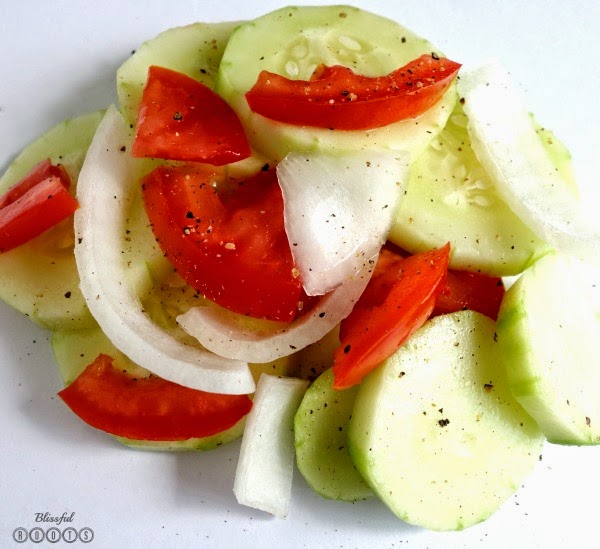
(297, 230)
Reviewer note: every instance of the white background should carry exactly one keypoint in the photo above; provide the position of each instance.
(58, 59)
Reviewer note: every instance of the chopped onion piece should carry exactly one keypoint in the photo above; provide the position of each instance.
(223, 332)
(338, 210)
(505, 142)
(265, 469)
(104, 191)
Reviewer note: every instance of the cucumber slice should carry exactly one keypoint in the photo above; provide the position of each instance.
(292, 41)
(66, 143)
(40, 278)
(548, 328)
(435, 430)
(317, 357)
(192, 444)
(507, 146)
(194, 50)
(320, 434)
(450, 197)
(75, 349)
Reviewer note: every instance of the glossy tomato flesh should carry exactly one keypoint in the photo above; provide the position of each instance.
(38, 173)
(35, 204)
(338, 98)
(182, 119)
(399, 298)
(149, 408)
(469, 290)
(227, 240)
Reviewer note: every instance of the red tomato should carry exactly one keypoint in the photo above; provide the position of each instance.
(226, 240)
(397, 301)
(468, 290)
(182, 119)
(38, 173)
(150, 408)
(337, 98)
(35, 204)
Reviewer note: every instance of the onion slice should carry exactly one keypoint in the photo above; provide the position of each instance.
(506, 144)
(224, 333)
(265, 469)
(104, 191)
(338, 209)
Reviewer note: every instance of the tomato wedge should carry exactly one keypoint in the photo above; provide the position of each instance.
(469, 290)
(149, 408)
(182, 119)
(227, 241)
(38, 173)
(35, 204)
(397, 301)
(338, 98)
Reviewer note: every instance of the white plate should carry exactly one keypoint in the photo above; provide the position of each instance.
(58, 59)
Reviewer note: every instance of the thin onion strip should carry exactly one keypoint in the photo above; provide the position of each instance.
(222, 333)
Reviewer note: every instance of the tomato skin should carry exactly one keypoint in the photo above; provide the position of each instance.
(399, 298)
(182, 119)
(35, 204)
(337, 98)
(38, 173)
(469, 290)
(150, 408)
(226, 241)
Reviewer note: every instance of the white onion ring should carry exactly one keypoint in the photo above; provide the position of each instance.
(104, 191)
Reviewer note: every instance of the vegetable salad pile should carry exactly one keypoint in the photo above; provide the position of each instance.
(296, 230)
